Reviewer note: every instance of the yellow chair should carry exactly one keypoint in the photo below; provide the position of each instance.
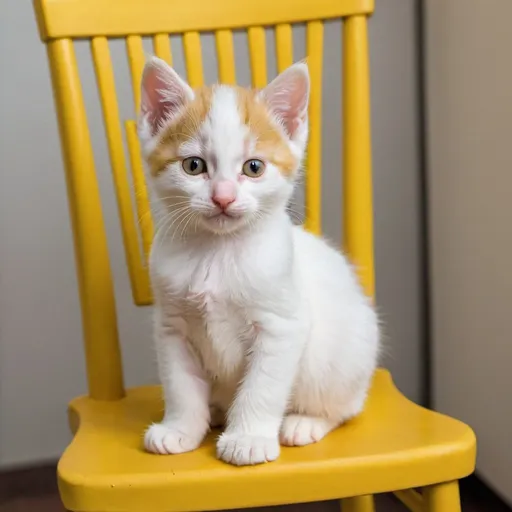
(394, 445)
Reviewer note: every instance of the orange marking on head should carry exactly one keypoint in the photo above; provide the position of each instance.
(271, 144)
(270, 141)
(184, 127)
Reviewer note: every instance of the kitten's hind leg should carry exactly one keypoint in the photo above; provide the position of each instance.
(299, 429)
(303, 429)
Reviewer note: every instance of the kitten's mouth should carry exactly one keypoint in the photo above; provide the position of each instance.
(223, 221)
(223, 215)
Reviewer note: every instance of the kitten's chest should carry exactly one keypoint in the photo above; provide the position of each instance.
(219, 327)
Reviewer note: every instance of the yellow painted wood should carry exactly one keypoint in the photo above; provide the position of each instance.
(107, 90)
(284, 46)
(105, 468)
(258, 56)
(412, 499)
(358, 504)
(225, 56)
(102, 354)
(357, 171)
(136, 61)
(193, 58)
(78, 18)
(314, 51)
(141, 194)
(443, 497)
(162, 47)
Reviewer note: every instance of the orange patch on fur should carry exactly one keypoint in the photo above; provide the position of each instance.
(180, 130)
(271, 144)
(270, 141)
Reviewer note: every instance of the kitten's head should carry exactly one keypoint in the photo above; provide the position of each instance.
(226, 156)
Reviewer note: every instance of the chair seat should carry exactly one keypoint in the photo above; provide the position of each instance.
(394, 444)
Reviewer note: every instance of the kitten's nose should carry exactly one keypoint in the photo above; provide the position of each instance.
(224, 193)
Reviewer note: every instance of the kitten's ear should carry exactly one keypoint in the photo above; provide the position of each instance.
(288, 97)
(163, 94)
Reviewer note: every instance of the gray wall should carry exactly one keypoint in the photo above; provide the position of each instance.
(469, 88)
(41, 361)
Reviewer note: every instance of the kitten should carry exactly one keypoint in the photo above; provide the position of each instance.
(257, 322)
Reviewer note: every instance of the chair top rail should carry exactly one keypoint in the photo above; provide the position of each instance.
(119, 18)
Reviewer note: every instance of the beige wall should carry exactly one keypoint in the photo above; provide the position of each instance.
(469, 90)
(41, 362)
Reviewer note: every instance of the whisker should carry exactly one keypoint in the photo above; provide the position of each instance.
(183, 219)
(191, 217)
(168, 216)
(181, 215)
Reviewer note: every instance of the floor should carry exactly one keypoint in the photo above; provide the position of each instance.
(35, 490)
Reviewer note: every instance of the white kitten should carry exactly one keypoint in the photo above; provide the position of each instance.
(256, 321)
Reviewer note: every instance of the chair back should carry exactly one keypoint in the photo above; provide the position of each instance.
(61, 22)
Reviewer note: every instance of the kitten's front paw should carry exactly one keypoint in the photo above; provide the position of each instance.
(172, 438)
(244, 450)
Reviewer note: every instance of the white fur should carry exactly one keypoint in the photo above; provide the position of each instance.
(255, 319)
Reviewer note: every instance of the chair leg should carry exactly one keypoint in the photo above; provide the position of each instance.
(358, 504)
(443, 497)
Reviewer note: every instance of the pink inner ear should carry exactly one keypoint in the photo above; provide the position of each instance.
(164, 93)
(288, 96)
(151, 103)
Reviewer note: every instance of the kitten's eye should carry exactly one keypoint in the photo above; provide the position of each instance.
(253, 168)
(194, 165)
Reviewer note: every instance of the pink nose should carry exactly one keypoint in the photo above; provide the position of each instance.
(224, 193)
